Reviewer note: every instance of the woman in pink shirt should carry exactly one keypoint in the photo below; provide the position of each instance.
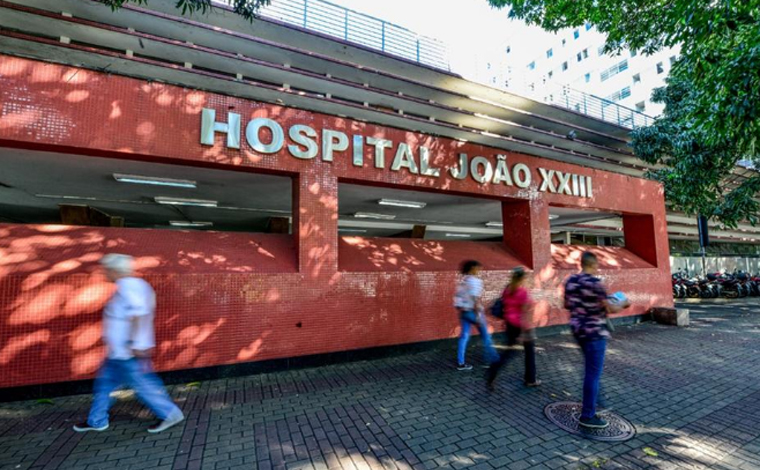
(517, 315)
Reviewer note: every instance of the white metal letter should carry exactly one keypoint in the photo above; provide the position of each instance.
(209, 126)
(522, 176)
(460, 172)
(502, 172)
(548, 180)
(303, 136)
(333, 141)
(380, 146)
(404, 159)
(252, 135)
(358, 150)
(564, 183)
(481, 176)
(427, 170)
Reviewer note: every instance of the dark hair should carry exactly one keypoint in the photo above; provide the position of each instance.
(469, 265)
(587, 259)
(518, 274)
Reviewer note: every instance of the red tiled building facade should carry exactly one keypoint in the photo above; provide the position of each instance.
(226, 298)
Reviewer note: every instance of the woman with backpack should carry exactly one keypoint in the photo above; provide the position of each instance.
(517, 315)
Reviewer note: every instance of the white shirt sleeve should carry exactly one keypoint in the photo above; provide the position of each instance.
(139, 298)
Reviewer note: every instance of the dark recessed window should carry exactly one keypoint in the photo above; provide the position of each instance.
(549, 53)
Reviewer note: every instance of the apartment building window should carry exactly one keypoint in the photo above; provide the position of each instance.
(672, 60)
(588, 26)
(641, 106)
(549, 53)
(637, 79)
(634, 53)
(564, 66)
(587, 77)
(532, 65)
(618, 95)
(564, 41)
(579, 56)
(601, 50)
(509, 49)
(550, 74)
(660, 69)
(585, 53)
(614, 70)
(576, 34)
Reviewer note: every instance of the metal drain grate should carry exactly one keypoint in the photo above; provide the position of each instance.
(565, 414)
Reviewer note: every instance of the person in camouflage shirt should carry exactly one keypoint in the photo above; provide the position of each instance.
(586, 299)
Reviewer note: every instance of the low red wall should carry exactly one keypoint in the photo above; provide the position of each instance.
(228, 297)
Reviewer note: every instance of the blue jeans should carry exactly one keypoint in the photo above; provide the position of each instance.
(137, 374)
(593, 353)
(469, 319)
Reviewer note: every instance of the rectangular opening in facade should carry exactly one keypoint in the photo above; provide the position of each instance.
(388, 228)
(50, 188)
(620, 240)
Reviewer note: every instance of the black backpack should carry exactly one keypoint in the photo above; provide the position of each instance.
(497, 309)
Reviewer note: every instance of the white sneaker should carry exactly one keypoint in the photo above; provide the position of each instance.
(84, 427)
(166, 424)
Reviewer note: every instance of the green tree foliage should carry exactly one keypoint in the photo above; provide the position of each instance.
(712, 115)
(245, 8)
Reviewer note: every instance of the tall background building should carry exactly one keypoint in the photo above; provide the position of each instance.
(574, 60)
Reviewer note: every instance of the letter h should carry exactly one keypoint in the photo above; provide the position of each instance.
(209, 126)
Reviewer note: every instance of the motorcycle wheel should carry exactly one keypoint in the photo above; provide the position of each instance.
(693, 292)
(731, 294)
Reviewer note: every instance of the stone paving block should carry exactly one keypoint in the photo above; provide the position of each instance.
(693, 392)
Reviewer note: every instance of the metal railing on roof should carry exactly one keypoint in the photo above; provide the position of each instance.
(594, 106)
(351, 26)
(358, 28)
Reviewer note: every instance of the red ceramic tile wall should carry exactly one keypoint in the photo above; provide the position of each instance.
(227, 298)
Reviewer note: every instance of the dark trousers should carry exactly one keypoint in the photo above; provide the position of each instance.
(593, 353)
(513, 333)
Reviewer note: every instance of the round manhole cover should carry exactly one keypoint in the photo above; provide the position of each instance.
(565, 414)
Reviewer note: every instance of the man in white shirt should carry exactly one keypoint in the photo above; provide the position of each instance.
(468, 302)
(130, 339)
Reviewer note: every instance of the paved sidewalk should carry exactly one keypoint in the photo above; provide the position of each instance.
(693, 394)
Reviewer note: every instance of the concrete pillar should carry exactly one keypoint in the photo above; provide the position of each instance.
(315, 223)
(527, 232)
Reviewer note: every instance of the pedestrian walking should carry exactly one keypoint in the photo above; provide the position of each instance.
(586, 299)
(469, 305)
(129, 337)
(518, 309)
